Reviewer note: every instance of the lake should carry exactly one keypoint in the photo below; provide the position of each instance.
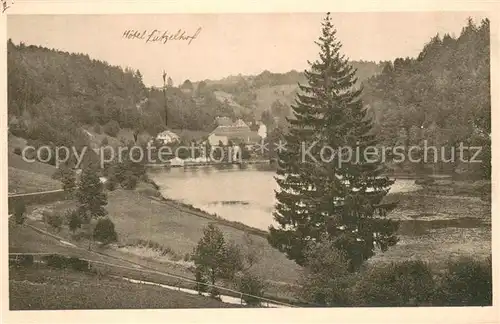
(236, 194)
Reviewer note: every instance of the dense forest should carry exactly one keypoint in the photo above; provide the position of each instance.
(442, 96)
(48, 87)
(51, 94)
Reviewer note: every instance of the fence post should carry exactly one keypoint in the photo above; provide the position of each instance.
(241, 298)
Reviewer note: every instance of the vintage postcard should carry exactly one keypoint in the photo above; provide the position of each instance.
(290, 164)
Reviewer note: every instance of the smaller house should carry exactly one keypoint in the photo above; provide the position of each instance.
(167, 137)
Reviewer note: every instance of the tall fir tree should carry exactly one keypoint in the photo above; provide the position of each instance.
(318, 196)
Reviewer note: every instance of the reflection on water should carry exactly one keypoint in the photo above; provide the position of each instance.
(243, 194)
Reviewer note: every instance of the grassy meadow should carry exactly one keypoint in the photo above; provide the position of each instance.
(25, 177)
(41, 288)
(435, 228)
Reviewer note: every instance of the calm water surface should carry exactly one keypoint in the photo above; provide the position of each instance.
(243, 195)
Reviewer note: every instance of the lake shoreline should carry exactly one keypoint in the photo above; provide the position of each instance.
(190, 209)
(424, 190)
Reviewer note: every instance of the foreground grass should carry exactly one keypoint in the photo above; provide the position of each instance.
(17, 162)
(25, 177)
(22, 181)
(40, 288)
(25, 239)
(137, 217)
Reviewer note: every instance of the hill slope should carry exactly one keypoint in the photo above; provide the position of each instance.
(258, 93)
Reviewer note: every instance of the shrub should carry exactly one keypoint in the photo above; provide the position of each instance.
(155, 246)
(68, 179)
(130, 181)
(57, 175)
(466, 282)
(17, 151)
(150, 192)
(201, 281)
(104, 141)
(74, 220)
(56, 261)
(323, 281)
(18, 128)
(111, 183)
(251, 285)
(424, 181)
(80, 235)
(187, 257)
(408, 283)
(99, 272)
(112, 128)
(97, 129)
(25, 260)
(78, 265)
(104, 231)
(55, 221)
(19, 210)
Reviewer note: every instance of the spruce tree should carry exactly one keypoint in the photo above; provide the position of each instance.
(91, 197)
(68, 178)
(319, 197)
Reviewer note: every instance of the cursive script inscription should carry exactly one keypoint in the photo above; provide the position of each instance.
(5, 6)
(157, 36)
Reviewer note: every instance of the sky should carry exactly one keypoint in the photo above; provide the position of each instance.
(230, 44)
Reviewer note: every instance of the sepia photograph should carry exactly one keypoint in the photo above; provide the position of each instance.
(249, 160)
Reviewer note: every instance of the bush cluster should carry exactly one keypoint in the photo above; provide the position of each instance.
(463, 282)
(63, 262)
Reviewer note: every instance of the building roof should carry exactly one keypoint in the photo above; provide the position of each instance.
(238, 130)
(223, 121)
(240, 123)
(234, 132)
(168, 133)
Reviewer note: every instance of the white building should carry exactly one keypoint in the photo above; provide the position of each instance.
(176, 162)
(167, 137)
(262, 131)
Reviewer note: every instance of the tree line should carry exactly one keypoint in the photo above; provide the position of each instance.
(442, 96)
